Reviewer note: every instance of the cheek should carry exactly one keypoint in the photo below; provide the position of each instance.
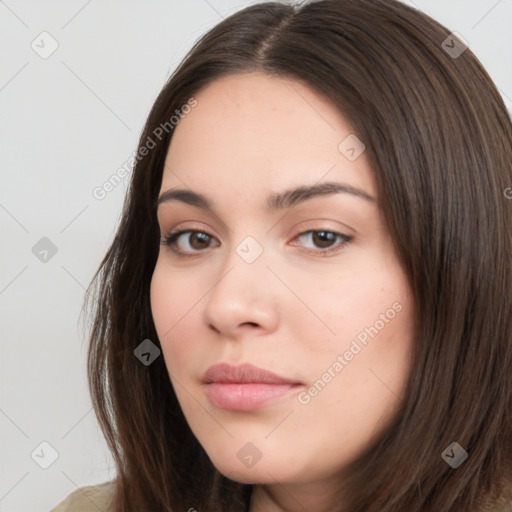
(365, 296)
(174, 316)
(373, 321)
(357, 380)
(163, 305)
(173, 296)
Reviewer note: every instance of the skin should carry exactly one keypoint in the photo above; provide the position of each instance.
(290, 311)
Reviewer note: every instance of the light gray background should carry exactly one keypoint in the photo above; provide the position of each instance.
(68, 123)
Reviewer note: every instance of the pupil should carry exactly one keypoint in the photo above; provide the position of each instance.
(201, 236)
(324, 236)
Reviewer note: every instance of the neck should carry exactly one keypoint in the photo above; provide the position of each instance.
(311, 497)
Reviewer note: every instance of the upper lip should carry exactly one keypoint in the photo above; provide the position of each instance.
(244, 373)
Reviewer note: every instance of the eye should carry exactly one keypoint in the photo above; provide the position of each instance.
(324, 240)
(196, 241)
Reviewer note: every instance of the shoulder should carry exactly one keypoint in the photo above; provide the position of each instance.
(88, 499)
(504, 506)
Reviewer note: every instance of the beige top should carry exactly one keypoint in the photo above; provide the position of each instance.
(96, 498)
(93, 498)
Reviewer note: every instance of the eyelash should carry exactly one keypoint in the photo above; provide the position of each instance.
(170, 241)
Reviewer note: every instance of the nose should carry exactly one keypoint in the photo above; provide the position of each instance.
(244, 298)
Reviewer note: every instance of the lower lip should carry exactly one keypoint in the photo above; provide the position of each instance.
(247, 396)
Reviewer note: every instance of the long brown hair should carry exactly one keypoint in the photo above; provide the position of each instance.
(439, 141)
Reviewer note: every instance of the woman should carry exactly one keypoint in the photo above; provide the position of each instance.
(307, 304)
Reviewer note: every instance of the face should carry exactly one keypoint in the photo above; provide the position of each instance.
(307, 287)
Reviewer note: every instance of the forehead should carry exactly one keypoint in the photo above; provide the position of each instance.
(254, 132)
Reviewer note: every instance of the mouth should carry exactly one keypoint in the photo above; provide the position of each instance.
(245, 387)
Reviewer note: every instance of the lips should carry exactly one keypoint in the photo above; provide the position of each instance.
(245, 387)
(243, 374)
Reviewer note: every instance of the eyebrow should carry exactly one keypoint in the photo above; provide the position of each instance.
(276, 201)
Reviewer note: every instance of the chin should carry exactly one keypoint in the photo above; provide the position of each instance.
(242, 477)
(266, 470)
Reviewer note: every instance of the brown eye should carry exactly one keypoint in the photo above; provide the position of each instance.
(196, 241)
(324, 241)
